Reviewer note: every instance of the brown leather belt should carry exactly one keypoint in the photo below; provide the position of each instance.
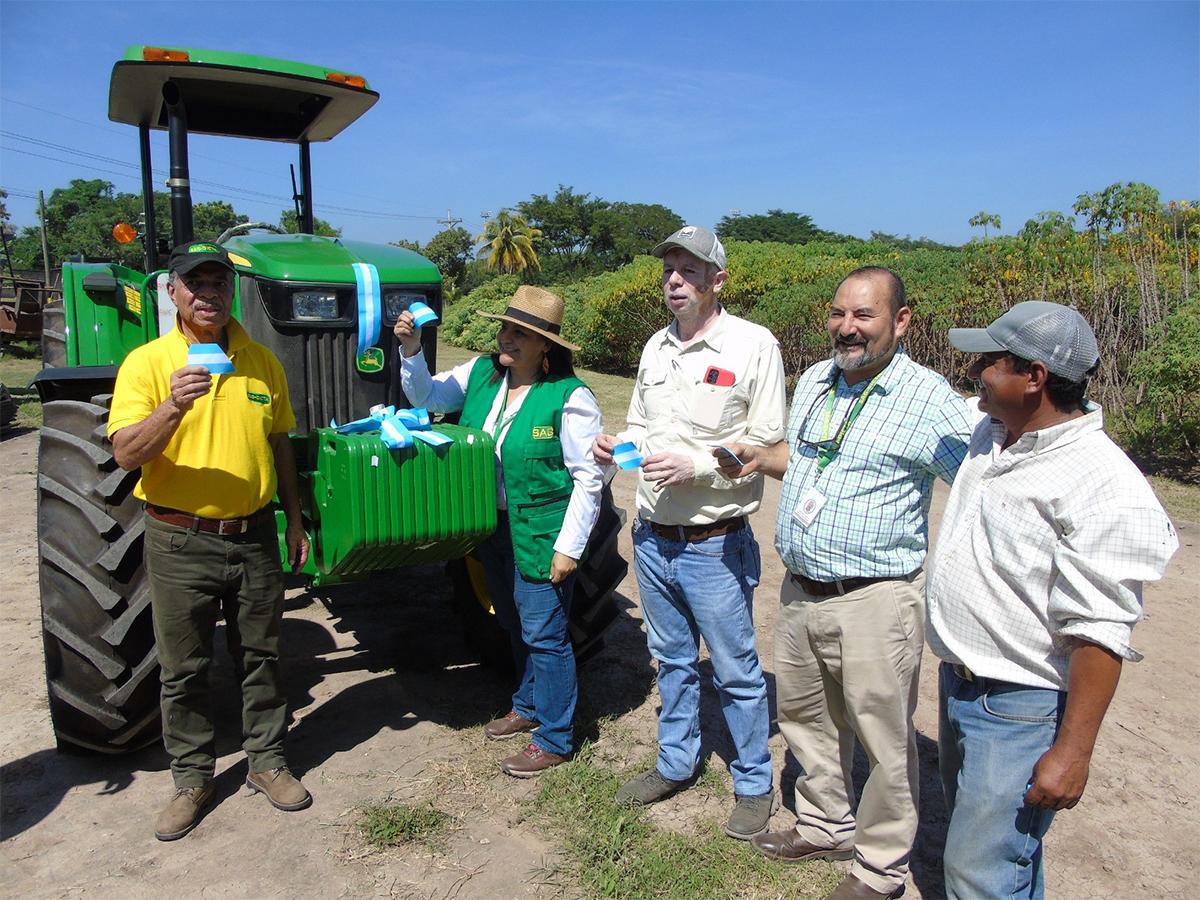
(694, 533)
(222, 527)
(837, 588)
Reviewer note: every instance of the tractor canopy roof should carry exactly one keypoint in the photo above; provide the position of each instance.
(237, 94)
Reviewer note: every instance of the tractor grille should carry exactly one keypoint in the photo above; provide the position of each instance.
(329, 379)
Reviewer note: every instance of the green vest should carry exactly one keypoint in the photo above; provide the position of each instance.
(536, 480)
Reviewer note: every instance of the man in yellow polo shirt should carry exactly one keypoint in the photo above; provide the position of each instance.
(213, 450)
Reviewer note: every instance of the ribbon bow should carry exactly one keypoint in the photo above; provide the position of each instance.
(397, 428)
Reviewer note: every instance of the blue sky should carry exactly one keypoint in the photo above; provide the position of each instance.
(901, 117)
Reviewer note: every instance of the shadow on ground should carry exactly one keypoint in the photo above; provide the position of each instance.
(403, 631)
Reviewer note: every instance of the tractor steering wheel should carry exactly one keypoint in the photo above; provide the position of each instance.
(248, 226)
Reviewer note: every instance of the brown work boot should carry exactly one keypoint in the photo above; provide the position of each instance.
(284, 791)
(183, 813)
(853, 888)
(531, 761)
(509, 725)
(788, 846)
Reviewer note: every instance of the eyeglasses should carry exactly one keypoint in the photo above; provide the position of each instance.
(828, 446)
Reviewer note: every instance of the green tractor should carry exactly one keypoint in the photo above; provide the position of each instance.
(367, 508)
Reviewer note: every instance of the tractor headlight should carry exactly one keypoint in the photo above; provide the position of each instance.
(314, 306)
(396, 302)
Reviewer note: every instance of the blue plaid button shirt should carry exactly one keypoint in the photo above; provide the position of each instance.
(875, 521)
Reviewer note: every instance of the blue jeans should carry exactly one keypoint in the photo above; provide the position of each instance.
(990, 735)
(535, 614)
(706, 588)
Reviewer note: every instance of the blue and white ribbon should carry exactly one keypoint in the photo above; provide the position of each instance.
(422, 314)
(626, 455)
(370, 306)
(212, 357)
(397, 428)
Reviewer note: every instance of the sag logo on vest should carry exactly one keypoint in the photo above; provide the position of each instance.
(543, 432)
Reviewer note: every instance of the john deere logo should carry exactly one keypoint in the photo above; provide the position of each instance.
(264, 399)
(204, 248)
(370, 360)
(543, 432)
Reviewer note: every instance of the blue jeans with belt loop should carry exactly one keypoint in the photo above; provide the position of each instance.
(535, 615)
(705, 589)
(990, 735)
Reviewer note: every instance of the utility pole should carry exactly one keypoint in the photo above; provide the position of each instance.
(45, 249)
(450, 221)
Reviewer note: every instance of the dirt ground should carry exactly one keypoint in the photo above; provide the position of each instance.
(388, 702)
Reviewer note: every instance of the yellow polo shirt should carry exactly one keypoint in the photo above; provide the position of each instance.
(218, 464)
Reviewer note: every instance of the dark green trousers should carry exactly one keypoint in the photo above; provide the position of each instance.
(194, 578)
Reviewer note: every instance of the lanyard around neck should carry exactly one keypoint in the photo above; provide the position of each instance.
(500, 426)
(830, 448)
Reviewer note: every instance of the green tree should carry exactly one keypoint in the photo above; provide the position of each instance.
(776, 225)
(289, 222)
(450, 250)
(564, 223)
(621, 231)
(211, 218)
(984, 219)
(405, 244)
(508, 241)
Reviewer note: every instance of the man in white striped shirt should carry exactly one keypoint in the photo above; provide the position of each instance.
(1035, 584)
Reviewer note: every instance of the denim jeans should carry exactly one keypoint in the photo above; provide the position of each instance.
(706, 588)
(535, 615)
(990, 735)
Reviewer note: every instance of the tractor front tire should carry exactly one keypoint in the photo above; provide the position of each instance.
(101, 666)
(593, 606)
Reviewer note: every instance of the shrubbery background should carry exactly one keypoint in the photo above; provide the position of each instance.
(1132, 274)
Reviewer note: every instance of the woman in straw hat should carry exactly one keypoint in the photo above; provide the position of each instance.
(543, 419)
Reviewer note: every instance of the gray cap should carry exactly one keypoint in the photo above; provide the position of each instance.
(700, 242)
(1038, 331)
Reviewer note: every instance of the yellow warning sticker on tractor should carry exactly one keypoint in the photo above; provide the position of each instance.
(239, 260)
(133, 299)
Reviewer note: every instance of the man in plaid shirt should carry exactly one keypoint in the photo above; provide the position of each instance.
(868, 433)
(1035, 585)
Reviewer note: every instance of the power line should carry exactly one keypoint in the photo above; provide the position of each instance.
(222, 161)
(247, 195)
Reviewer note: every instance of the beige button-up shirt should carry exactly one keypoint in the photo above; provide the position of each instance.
(676, 409)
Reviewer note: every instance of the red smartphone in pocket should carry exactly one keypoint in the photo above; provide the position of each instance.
(719, 377)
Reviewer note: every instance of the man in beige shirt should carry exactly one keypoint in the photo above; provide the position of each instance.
(707, 380)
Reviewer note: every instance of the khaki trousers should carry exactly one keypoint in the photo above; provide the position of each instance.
(847, 666)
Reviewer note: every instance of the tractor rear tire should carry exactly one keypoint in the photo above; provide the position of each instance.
(593, 607)
(101, 666)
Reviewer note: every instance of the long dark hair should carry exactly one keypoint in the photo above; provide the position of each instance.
(561, 365)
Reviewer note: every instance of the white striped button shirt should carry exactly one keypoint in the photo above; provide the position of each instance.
(1047, 541)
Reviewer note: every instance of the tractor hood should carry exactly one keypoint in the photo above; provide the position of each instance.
(309, 258)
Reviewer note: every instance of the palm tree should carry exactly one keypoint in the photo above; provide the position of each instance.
(508, 240)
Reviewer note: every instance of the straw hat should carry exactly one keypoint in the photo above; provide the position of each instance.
(537, 310)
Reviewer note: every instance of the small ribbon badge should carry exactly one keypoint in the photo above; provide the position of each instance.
(212, 357)
(626, 455)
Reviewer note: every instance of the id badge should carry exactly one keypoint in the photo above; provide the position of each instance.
(808, 507)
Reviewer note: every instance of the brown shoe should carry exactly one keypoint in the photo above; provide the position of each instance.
(183, 813)
(509, 725)
(531, 761)
(852, 888)
(282, 788)
(788, 846)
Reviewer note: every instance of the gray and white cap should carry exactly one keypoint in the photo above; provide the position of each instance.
(700, 242)
(1038, 331)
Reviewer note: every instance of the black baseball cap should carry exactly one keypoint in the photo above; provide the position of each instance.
(187, 256)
